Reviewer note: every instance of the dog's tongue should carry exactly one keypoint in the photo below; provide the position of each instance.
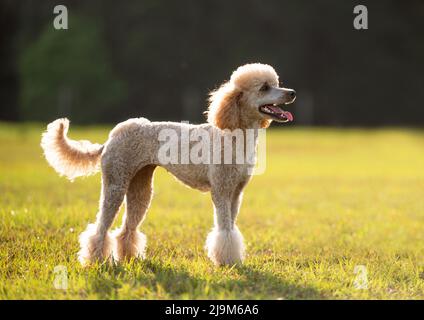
(288, 115)
(282, 113)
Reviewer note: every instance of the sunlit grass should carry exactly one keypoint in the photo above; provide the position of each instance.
(328, 201)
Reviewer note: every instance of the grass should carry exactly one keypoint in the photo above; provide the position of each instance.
(328, 201)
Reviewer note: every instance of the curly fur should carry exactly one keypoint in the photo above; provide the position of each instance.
(69, 158)
(130, 155)
(129, 244)
(225, 247)
(94, 246)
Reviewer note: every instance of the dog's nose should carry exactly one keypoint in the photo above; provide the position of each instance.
(292, 94)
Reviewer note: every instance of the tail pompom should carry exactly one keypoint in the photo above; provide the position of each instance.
(68, 157)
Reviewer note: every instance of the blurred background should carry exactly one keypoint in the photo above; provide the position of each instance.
(159, 59)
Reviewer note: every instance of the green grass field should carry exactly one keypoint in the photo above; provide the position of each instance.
(329, 200)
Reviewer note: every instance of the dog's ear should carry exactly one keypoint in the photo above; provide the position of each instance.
(224, 107)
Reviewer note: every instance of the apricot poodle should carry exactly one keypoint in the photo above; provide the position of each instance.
(250, 100)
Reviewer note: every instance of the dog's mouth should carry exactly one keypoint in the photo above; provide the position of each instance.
(276, 112)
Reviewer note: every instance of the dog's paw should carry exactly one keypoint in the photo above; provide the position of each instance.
(94, 246)
(225, 247)
(129, 244)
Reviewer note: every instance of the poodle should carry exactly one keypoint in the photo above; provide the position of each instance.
(250, 100)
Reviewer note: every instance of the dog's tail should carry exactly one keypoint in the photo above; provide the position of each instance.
(68, 157)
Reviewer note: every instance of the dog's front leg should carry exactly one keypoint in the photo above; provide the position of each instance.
(225, 242)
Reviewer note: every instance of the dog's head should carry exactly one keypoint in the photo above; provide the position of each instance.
(251, 98)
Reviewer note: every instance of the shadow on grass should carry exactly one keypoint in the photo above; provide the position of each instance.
(242, 282)
(272, 286)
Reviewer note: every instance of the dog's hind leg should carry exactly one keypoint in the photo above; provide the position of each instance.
(96, 243)
(225, 242)
(129, 241)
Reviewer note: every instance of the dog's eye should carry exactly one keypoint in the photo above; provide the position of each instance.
(264, 88)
